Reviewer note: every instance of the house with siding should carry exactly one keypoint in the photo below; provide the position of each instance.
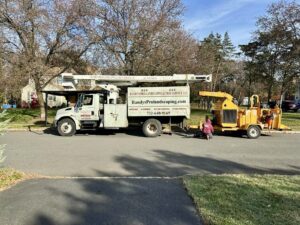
(29, 96)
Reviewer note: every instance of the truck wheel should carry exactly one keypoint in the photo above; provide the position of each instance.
(152, 128)
(253, 132)
(66, 127)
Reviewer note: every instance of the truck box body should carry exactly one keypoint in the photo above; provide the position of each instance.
(159, 101)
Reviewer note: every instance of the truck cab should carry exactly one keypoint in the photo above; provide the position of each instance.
(92, 111)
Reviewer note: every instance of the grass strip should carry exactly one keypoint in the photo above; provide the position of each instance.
(9, 177)
(246, 199)
(20, 118)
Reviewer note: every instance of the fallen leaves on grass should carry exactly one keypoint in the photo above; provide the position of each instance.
(10, 177)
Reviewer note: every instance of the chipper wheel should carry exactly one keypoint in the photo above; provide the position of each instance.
(152, 128)
(66, 127)
(253, 132)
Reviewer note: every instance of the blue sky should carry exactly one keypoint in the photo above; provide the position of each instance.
(238, 17)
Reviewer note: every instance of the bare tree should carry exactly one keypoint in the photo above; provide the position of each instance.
(274, 53)
(134, 29)
(175, 55)
(36, 33)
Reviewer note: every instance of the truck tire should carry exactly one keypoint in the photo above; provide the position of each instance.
(66, 127)
(253, 132)
(152, 128)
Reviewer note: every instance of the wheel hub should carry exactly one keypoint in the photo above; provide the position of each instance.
(253, 132)
(66, 128)
(152, 128)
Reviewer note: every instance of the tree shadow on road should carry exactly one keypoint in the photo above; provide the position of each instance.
(142, 199)
(168, 163)
(118, 201)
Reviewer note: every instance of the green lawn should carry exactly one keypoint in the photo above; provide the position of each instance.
(197, 116)
(245, 199)
(24, 117)
(9, 177)
(291, 120)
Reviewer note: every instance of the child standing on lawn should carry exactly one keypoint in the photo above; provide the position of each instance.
(207, 128)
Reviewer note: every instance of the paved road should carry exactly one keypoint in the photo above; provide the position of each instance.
(114, 199)
(121, 154)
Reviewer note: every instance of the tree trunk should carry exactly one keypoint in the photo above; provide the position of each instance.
(41, 104)
(270, 92)
(283, 84)
(249, 88)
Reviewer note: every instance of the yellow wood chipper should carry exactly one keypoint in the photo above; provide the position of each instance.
(228, 116)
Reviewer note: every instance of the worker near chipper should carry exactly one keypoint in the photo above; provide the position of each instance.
(269, 120)
(207, 128)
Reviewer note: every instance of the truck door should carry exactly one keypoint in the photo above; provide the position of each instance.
(115, 115)
(88, 107)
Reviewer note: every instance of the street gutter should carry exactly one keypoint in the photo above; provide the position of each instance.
(44, 128)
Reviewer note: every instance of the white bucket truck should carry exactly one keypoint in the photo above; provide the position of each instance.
(148, 106)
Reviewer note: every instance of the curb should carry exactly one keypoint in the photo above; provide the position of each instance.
(45, 128)
(27, 129)
(280, 132)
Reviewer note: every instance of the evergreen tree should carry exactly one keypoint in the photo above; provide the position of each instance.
(228, 47)
(213, 44)
(215, 57)
(218, 41)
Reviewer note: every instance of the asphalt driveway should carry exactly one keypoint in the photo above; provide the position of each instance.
(101, 202)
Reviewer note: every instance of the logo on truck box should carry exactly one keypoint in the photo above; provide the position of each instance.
(159, 101)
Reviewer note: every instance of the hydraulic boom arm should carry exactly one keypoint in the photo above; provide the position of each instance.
(141, 79)
(218, 94)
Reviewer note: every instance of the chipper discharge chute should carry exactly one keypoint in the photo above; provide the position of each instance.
(227, 116)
